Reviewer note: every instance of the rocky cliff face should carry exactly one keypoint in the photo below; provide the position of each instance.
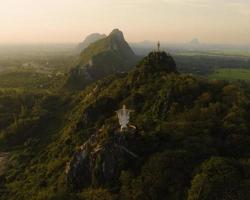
(99, 161)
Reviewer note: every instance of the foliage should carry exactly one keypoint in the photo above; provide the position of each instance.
(194, 137)
(220, 178)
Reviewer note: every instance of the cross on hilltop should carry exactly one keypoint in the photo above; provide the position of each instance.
(158, 45)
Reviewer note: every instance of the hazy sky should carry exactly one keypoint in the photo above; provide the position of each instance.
(216, 21)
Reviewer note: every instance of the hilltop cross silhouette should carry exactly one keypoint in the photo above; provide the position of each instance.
(158, 45)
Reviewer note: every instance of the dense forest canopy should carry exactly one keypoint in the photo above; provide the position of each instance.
(192, 138)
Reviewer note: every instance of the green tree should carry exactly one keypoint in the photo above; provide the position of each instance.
(219, 178)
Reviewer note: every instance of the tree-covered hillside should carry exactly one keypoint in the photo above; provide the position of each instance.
(102, 58)
(191, 142)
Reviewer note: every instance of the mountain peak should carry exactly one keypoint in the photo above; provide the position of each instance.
(116, 33)
(102, 58)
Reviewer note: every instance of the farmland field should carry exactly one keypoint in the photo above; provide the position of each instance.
(230, 74)
(214, 53)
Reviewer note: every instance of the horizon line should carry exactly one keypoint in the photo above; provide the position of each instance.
(130, 42)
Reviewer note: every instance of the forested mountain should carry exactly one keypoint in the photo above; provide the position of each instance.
(191, 141)
(107, 56)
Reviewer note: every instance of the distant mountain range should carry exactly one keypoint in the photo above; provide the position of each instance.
(144, 47)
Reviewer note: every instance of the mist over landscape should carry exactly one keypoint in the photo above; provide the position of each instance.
(125, 100)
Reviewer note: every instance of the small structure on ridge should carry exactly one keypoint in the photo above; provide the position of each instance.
(158, 46)
(124, 117)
